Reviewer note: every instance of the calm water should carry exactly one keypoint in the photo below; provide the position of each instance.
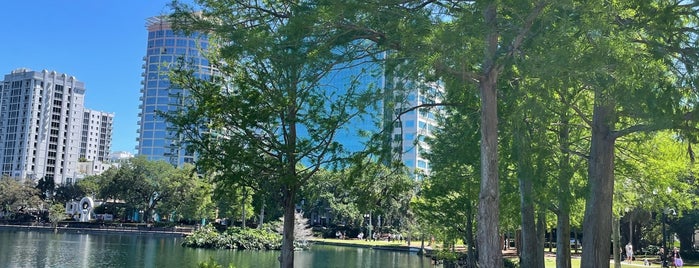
(46, 249)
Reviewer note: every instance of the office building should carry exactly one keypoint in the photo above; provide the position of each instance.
(410, 130)
(41, 116)
(156, 140)
(405, 134)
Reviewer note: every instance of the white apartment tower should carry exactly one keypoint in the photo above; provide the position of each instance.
(41, 117)
(96, 135)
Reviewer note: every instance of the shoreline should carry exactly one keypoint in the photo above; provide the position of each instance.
(391, 247)
(145, 231)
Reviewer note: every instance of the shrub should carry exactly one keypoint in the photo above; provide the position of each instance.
(233, 238)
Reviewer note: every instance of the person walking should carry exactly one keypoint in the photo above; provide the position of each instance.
(629, 252)
(676, 258)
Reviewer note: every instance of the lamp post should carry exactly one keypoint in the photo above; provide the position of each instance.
(666, 210)
(369, 227)
(664, 234)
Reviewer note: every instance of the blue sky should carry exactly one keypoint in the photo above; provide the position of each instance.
(100, 42)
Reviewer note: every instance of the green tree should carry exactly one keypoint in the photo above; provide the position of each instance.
(57, 213)
(90, 185)
(141, 183)
(468, 47)
(18, 196)
(234, 201)
(266, 110)
(46, 187)
(619, 55)
(68, 192)
(189, 196)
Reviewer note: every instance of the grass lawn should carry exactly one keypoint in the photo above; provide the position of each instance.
(550, 262)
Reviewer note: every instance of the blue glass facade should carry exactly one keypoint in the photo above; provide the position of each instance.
(364, 76)
(156, 141)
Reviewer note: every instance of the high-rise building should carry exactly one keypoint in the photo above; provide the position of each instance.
(41, 116)
(359, 77)
(156, 140)
(410, 130)
(405, 134)
(96, 137)
(95, 143)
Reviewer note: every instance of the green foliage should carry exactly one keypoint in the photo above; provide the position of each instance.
(234, 238)
(141, 183)
(365, 188)
(446, 255)
(91, 185)
(68, 192)
(46, 187)
(57, 212)
(267, 112)
(18, 196)
(187, 196)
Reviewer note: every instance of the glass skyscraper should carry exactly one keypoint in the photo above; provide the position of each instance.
(406, 136)
(156, 140)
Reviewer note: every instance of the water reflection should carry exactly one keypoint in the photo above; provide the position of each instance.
(46, 249)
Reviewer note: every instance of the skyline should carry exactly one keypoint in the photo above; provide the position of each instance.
(101, 43)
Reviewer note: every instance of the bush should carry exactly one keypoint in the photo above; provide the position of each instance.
(446, 255)
(233, 238)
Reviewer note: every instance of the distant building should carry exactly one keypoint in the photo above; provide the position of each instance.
(409, 134)
(41, 115)
(96, 138)
(120, 156)
(45, 129)
(95, 143)
(405, 137)
(156, 140)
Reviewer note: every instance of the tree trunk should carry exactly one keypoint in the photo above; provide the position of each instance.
(541, 235)
(472, 252)
(563, 213)
(489, 253)
(598, 210)
(530, 245)
(615, 243)
(563, 240)
(262, 216)
(287, 256)
(529, 235)
(243, 215)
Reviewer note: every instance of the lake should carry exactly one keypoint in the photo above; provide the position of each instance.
(46, 249)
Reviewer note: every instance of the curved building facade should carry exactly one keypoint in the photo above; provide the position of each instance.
(156, 140)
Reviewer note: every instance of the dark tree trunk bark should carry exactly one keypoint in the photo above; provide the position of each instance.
(616, 236)
(489, 253)
(541, 236)
(287, 255)
(597, 222)
(243, 214)
(529, 231)
(563, 213)
(472, 252)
